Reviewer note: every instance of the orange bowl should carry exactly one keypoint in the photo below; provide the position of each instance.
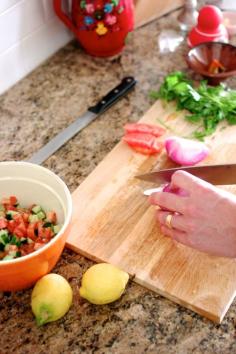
(200, 57)
(31, 183)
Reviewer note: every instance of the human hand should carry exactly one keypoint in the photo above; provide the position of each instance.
(205, 219)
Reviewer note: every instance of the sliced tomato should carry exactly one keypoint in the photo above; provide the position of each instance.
(51, 217)
(144, 143)
(144, 128)
(3, 223)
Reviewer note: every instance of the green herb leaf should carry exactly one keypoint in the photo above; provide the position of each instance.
(207, 105)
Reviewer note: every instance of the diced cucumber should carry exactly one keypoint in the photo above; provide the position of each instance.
(56, 228)
(8, 257)
(36, 209)
(15, 241)
(10, 214)
(4, 237)
(41, 215)
(11, 255)
(23, 240)
(33, 218)
(29, 240)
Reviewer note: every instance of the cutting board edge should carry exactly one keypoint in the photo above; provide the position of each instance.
(200, 311)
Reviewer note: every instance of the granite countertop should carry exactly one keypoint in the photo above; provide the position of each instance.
(31, 113)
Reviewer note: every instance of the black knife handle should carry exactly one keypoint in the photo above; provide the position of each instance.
(126, 85)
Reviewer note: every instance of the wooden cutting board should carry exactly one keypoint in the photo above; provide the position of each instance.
(113, 222)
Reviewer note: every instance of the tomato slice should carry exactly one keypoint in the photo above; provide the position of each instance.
(144, 143)
(144, 128)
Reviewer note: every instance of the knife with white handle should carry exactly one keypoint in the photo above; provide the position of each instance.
(92, 113)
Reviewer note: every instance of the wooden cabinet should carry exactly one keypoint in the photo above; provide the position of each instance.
(148, 10)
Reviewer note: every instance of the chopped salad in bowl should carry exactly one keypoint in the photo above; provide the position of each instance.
(35, 221)
(24, 230)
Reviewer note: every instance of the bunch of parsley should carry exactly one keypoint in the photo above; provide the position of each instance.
(208, 105)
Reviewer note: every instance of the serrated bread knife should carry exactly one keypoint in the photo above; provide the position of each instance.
(92, 113)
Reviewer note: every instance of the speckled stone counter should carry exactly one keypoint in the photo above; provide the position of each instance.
(31, 113)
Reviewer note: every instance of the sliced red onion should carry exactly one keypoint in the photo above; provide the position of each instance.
(184, 151)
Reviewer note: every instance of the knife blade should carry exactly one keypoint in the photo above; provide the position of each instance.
(223, 174)
(126, 85)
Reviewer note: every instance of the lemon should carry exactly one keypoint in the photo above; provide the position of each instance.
(51, 298)
(103, 283)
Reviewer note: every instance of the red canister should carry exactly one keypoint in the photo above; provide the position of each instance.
(101, 26)
(209, 27)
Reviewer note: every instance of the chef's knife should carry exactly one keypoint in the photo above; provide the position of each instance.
(216, 174)
(93, 112)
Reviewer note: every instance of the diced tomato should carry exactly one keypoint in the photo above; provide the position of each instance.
(3, 223)
(10, 207)
(31, 231)
(20, 230)
(18, 218)
(13, 200)
(48, 232)
(27, 249)
(40, 229)
(144, 128)
(25, 216)
(144, 143)
(11, 225)
(51, 217)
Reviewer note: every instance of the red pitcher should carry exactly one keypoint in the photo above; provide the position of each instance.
(101, 26)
